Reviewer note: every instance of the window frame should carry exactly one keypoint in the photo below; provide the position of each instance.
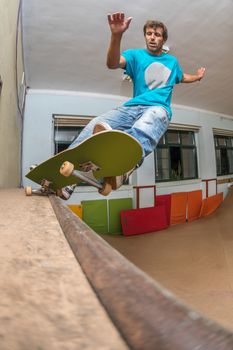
(68, 121)
(169, 145)
(226, 147)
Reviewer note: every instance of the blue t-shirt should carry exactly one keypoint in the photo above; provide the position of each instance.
(153, 77)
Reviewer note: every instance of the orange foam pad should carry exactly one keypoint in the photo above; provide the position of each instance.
(210, 204)
(76, 209)
(194, 204)
(178, 207)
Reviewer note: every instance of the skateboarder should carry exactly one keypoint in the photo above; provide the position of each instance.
(146, 116)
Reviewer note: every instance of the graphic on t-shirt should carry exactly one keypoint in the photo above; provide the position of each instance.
(156, 75)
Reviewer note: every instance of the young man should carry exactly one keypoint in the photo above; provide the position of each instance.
(154, 73)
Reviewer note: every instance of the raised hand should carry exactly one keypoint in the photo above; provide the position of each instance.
(201, 72)
(117, 22)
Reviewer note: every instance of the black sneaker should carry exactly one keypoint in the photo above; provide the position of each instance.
(66, 192)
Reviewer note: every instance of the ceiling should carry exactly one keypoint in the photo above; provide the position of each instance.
(65, 44)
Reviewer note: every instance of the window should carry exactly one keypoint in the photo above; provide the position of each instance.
(224, 154)
(176, 157)
(66, 129)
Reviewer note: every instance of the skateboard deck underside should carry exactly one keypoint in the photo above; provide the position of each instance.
(113, 151)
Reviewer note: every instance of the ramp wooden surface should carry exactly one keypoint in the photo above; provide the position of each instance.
(46, 302)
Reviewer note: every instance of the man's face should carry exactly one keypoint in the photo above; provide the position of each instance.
(154, 40)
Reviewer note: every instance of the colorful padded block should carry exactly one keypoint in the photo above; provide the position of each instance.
(76, 209)
(178, 207)
(95, 215)
(114, 209)
(210, 204)
(144, 220)
(194, 205)
(166, 200)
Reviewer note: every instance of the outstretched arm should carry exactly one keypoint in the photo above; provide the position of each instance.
(191, 78)
(118, 25)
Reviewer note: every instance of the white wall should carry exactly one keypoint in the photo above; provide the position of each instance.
(38, 139)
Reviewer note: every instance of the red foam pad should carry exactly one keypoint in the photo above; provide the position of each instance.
(143, 220)
(166, 200)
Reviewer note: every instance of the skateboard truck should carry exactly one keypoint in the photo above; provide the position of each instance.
(67, 169)
(89, 166)
(44, 190)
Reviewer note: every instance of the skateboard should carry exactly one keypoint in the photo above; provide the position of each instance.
(95, 161)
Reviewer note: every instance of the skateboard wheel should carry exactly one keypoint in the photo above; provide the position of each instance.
(28, 191)
(66, 169)
(33, 166)
(106, 189)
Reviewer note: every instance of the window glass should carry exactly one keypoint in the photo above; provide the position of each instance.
(218, 161)
(162, 164)
(230, 160)
(187, 138)
(162, 141)
(173, 137)
(221, 141)
(224, 155)
(189, 156)
(228, 142)
(176, 169)
(224, 161)
(64, 136)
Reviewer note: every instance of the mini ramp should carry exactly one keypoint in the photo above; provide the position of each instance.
(146, 314)
(47, 303)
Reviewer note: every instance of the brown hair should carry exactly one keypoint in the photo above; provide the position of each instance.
(154, 25)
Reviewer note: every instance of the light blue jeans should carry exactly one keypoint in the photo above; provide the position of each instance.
(146, 123)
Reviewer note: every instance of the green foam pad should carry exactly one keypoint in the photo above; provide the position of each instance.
(95, 215)
(115, 206)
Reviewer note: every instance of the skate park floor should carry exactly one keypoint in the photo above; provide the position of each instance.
(193, 260)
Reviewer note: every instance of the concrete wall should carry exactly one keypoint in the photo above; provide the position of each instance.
(38, 140)
(10, 121)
